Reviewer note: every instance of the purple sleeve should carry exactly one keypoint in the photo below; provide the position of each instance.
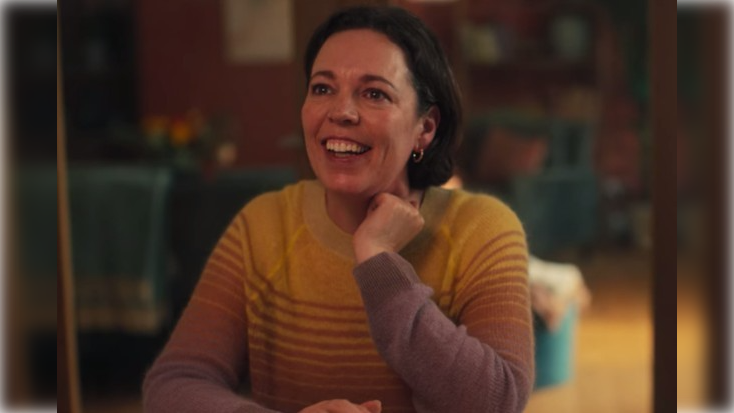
(448, 369)
(199, 369)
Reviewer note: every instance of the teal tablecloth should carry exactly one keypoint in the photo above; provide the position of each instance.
(140, 236)
(118, 223)
(120, 246)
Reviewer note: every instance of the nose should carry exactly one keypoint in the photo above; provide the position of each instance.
(343, 111)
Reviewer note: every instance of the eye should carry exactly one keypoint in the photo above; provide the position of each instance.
(376, 95)
(320, 89)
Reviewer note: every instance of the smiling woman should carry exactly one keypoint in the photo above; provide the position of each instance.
(370, 288)
(360, 119)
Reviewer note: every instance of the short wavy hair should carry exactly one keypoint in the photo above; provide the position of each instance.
(432, 79)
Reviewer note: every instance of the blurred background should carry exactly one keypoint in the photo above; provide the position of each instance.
(178, 113)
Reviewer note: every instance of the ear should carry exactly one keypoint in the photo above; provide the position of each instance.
(428, 126)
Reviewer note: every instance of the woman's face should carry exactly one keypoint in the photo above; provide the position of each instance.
(359, 117)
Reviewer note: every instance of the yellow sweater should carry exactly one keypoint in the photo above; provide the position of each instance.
(444, 327)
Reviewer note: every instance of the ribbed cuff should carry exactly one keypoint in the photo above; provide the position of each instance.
(384, 275)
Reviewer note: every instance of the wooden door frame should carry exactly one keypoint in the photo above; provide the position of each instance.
(67, 366)
(715, 71)
(663, 91)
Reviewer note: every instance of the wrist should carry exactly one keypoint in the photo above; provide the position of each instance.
(362, 254)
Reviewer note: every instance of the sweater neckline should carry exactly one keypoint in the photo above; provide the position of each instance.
(334, 238)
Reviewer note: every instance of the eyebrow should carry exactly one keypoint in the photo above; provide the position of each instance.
(365, 78)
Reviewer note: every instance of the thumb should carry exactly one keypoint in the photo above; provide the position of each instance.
(374, 406)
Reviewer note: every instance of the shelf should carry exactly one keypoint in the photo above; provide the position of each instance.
(533, 71)
(533, 65)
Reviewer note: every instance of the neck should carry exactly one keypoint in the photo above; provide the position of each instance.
(347, 211)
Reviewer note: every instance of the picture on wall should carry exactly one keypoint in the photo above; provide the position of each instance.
(258, 31)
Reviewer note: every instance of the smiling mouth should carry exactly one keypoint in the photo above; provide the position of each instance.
(341, 147)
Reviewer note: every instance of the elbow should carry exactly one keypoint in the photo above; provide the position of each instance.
(518, 387)
(507, 390)
(162, 387)
(152, 391)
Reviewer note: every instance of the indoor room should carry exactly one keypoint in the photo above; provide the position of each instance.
(174, 115)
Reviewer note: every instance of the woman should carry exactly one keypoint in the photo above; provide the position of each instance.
(369, 289)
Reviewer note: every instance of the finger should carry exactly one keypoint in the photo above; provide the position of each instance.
(406, 194)
(415, 198)
(374, 203)
(377, 200)
(383, 198)
(372, 406)
(344, 406)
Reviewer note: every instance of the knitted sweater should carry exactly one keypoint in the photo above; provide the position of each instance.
(444, 326)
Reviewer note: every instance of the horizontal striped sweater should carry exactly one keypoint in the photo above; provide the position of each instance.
(443, 326)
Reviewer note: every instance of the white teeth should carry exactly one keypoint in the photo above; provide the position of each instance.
(345, 147)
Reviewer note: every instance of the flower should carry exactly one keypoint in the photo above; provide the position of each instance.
(181, 133)
(188, 140)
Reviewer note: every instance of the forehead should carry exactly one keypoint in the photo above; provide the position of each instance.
(362, 51)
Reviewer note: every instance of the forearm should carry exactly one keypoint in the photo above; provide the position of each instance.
(181, 389)
(447, 369)
(200, 368)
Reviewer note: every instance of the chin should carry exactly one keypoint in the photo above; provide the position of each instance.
(346, 185)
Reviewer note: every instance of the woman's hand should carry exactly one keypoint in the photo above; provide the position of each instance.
(344, 406)
(390, 224)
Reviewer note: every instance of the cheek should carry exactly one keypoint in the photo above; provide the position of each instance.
(309, 119)
(407, 134)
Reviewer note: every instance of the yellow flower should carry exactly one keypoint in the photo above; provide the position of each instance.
(181, 133)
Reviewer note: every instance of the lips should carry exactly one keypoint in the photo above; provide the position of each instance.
(344, 147)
